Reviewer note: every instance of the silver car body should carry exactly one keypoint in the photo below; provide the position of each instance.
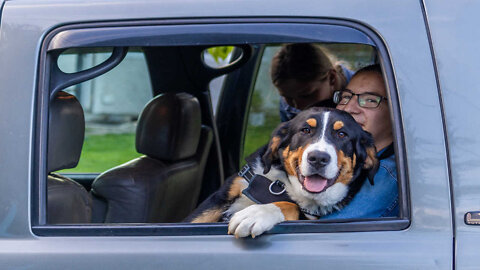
(433, 50)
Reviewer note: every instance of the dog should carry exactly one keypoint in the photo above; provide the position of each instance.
(313, 165)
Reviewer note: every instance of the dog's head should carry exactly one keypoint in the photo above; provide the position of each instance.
(321, 147)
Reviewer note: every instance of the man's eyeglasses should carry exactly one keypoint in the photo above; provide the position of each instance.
(365, 100)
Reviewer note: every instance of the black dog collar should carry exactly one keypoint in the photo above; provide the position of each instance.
(262, 190)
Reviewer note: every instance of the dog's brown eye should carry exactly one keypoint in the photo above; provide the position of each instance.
(306, 130)
(341, 134)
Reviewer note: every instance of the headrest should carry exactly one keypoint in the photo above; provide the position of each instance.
(66, 130)
(169, 127)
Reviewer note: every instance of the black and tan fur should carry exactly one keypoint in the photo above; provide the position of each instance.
(322, 156)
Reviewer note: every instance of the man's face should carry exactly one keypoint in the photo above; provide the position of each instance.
(374, 120)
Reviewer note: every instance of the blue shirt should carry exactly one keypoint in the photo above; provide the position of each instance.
(379, 200)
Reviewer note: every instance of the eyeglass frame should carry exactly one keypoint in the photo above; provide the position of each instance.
(336, 95)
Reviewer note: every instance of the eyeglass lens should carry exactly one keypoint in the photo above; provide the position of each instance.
(364, 100)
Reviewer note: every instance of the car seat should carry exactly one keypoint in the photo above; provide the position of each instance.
(164, 184)
(67, 200)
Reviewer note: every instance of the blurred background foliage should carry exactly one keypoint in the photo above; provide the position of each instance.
(220, 53)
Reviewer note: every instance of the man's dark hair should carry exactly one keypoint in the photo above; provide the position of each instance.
(371, 68)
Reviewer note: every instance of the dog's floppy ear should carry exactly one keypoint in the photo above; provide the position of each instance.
(367, 155)
(278, 139)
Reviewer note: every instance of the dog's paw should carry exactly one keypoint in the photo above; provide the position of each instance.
(255, 220)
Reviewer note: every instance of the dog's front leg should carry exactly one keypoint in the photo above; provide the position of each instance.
(259, 218)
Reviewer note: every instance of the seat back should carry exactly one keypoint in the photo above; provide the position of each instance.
(67, 201)
(164, 184)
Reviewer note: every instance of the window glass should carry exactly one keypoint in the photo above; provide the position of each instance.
(263, 114)
(111, 103)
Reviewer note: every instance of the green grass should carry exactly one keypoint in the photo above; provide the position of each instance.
(257, 136)
(102, 152)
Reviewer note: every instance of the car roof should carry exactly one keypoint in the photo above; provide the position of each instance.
(127, 9)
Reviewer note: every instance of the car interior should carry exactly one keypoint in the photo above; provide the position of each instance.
(180, 142)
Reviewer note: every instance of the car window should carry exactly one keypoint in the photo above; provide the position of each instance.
(147, 177)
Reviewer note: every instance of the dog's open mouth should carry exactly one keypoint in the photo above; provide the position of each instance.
(315, 183)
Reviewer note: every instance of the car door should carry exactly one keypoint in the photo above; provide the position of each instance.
(420, 238)
(457, 57)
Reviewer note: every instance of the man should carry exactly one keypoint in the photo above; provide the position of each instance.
(365, 99)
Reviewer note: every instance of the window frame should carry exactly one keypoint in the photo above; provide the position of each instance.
(86, 30)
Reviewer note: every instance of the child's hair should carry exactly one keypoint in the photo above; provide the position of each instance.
(304, 62)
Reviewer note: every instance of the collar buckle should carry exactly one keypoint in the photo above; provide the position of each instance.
(246, 173)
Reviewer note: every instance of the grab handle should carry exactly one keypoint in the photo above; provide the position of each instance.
(60, 80)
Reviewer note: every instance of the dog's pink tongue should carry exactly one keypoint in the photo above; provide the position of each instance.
(314, 183)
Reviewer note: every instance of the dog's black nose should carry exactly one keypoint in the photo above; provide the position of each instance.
(318, 158)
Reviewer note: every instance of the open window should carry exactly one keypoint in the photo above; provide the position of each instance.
(151, 146)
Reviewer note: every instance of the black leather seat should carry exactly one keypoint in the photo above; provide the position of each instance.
(163, 185)
(67, 201)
